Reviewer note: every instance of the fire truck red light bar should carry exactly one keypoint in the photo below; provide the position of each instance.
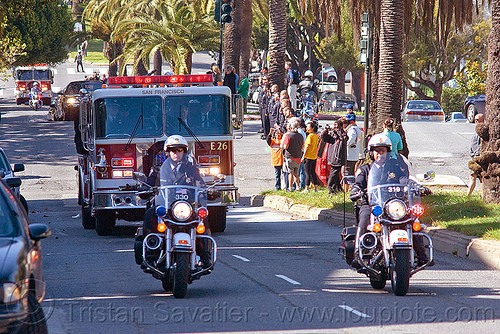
(161, 79)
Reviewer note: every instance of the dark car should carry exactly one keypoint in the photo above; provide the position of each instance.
(7, 172)
(472, 106)
(21, 276)
(337, 101)
(67, 105)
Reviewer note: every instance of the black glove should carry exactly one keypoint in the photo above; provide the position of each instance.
(356, 194)
(424, 191)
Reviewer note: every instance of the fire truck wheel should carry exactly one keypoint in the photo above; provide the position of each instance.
(88, 222)
(217, 218)
(18, 101)
(104, 222)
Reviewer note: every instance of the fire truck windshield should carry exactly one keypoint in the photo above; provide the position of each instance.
(32, 74)
(42, 74)
(203, 114)
(117, 117)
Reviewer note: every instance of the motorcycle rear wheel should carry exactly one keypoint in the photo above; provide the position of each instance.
(181, 274)
(400, 272)
(167, 286)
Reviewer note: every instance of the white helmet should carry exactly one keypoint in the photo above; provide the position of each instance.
(308, 73)
(379, 140)
(35, 84)
(175, 141)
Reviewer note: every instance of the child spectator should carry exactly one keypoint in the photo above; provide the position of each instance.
(274, 141)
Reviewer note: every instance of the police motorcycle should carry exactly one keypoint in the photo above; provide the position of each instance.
(308, 111)
(170, 253)
(35, 100)
(395, 246)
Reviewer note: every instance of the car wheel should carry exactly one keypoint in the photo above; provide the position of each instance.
(471, 113)
(35, 323)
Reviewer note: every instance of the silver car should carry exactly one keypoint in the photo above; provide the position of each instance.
(423, 110)
(337, 101)
(6, 172)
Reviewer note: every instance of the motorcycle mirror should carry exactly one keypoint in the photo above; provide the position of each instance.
(220, 177)
(349, 179)
(139, 176)
(429, 175)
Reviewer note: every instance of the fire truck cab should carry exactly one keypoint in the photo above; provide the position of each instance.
(26, 76)
(122, 128)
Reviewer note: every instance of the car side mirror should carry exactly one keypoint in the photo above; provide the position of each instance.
(18, 168)
(39, 231)
(13, 182)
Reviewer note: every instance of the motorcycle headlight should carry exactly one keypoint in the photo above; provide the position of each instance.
(10, 293)
(71, 100)
(396, 209)
(182, 211)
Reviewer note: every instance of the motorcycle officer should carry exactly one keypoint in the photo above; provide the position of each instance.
(393, 172)
(35, 90)
(178, 169)
(307, 85)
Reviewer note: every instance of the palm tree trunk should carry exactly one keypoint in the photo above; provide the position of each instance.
(277, 42)
(157, 62)
(232, 37)
(490, 130)
(340, 78)
(246, 35)
(390, 73)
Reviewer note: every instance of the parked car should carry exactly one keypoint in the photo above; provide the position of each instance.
(456, 117)
(472, 106)
(423, 110)
(66, 107)
(21, 275)
(327, 75)
(336, 101)
(7, 172)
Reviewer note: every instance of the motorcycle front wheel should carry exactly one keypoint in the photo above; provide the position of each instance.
(400, 272)
(181, 274)
(378, 283)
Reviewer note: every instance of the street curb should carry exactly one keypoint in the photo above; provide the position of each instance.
(451, 242)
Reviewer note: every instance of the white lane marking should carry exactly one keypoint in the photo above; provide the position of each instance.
(353, 311)
(123, 250)
(288, 279)
(241, 258)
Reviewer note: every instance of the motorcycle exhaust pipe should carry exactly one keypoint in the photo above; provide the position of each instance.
(368, 240)
(153, 242)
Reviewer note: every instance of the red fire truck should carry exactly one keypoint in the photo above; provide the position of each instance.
(26, 76)
(122, 129)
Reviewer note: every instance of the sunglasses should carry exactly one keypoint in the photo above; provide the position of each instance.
(176, 150)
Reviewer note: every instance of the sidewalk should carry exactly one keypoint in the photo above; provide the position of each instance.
(473, 248)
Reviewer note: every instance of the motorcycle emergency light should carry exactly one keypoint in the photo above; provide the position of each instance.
(161, 227)
(161, 211)
(377, 227)
(377, 210)
(202, 213)
(200, 229)
(417, 210)
(161, 79)
(416, 226)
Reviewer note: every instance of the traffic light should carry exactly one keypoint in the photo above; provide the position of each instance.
(217, 10)
(364, 43)
(225, 11)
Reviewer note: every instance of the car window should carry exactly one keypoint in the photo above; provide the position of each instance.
(428, 105)
(72, 89)
(9, 225)
(4, 164)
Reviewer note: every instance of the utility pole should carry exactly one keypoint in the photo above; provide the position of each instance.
(222, 14)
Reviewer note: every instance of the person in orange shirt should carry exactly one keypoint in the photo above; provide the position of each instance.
(274, 141)
(310, 155)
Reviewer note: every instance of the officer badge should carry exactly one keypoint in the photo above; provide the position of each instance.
(392, 175)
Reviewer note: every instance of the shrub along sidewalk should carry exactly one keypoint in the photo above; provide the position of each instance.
(446, 208)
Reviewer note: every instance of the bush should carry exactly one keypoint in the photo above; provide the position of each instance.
(452, 100)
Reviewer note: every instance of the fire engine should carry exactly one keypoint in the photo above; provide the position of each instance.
(26, 76)
(122, 128)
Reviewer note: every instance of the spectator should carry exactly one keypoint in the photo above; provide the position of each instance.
(264, 97)
(292, 80)
(230, 79)
(78, 61)
(336, 138)
(475, 147)
(396, 141)
(273, 108)
(243, 88)
(274, 141)
(310, 156)
(354, 138)
(292, 146)
(84, 47)
(302, 171)
(215, 70)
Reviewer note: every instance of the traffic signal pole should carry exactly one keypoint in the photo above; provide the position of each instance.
(365, 55)
(221, 24)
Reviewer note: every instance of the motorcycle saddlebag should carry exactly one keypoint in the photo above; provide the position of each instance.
(348, 243)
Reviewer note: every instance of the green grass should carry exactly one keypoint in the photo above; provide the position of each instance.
(450, 209)
(94, 52)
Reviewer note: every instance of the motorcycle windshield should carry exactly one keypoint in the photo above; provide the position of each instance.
(168, 194)
(391, 176)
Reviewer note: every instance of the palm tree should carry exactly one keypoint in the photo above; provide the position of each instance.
(178, 30)
(277, 42)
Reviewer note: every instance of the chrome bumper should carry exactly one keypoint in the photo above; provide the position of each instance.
(227, 196)
(118, 200)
